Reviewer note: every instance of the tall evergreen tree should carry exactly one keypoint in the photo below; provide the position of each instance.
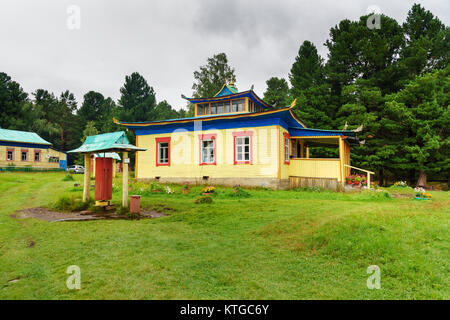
(307, 70)
(315, 106)
(137, 99)
(277, 92)
(420, 118)
(211, 77)
(427, 43)
(12, 101)
(357, 52)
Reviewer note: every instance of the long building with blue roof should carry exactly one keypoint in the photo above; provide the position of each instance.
(237, 138)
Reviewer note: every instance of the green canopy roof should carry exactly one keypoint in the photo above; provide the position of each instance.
(113, 141)
(21, 136)
(113, 155)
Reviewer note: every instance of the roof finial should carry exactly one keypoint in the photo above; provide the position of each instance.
(231, 80)
(293, 103)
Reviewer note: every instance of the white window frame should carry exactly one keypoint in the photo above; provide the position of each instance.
(239, 141)
(161, 149)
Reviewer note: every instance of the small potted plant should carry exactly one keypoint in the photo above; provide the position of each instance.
(357, 180)
(349, 179)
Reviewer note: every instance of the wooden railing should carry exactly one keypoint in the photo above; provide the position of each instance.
(363, 170)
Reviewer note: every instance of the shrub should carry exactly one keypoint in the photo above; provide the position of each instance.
(68, 177)
(70, 203)
(239, 192)
(203, 199)
(155, 187)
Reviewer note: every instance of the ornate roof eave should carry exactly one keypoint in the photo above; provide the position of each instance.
(248, 93)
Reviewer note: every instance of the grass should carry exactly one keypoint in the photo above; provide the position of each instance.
(270, 245)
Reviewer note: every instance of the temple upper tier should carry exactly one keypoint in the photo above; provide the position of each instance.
(227, 101)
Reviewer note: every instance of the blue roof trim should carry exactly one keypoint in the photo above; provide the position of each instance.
(283, 118)
(24, 145)
(308, 132)
(207, 125)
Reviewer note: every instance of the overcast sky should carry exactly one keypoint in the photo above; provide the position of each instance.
(166, 41)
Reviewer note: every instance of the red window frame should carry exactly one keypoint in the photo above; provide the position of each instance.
(40, 155)
(286, 136)
(158, 140)
(201, 137)
(243, 134)
(22, 151)
(7, 150)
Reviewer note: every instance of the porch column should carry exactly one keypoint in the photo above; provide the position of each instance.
(125, 180)
(341, 159)
(114, 168)
(302, 152)
(87, 177)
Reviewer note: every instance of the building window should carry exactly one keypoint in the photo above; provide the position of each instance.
(213, 108)
(220, 108)
(163, 151)
(37, 155)
(243, 147)
(200, 109)
(24, 155)
(207, 149)
(10, 154)
(238, 105)
(286, 147)
(203, 109)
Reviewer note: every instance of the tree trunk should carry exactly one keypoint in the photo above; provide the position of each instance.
(422, 181)
(381, 178)
(412, 176)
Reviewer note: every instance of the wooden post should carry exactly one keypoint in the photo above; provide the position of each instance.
(341, 160)
(125, 180)
(114, 168)
(302, 152)
(368, 180)
(87, 177)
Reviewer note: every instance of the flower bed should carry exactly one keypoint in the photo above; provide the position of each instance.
(421, 194)
(356, 180)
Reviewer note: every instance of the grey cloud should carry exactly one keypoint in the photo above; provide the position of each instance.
(166, 41)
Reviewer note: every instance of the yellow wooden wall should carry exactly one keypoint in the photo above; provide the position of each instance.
(184, 155)
(44, 163)
(315, 168)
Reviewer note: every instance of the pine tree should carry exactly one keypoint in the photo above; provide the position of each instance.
(277, 92)
(137, 99)
(307, 70)
(422, 117)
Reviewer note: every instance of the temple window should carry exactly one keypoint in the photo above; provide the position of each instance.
(238, 105)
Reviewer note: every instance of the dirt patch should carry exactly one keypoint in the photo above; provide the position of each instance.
(401, 195)
(54, 216)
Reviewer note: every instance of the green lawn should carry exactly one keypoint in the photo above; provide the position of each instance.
(272, 245)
